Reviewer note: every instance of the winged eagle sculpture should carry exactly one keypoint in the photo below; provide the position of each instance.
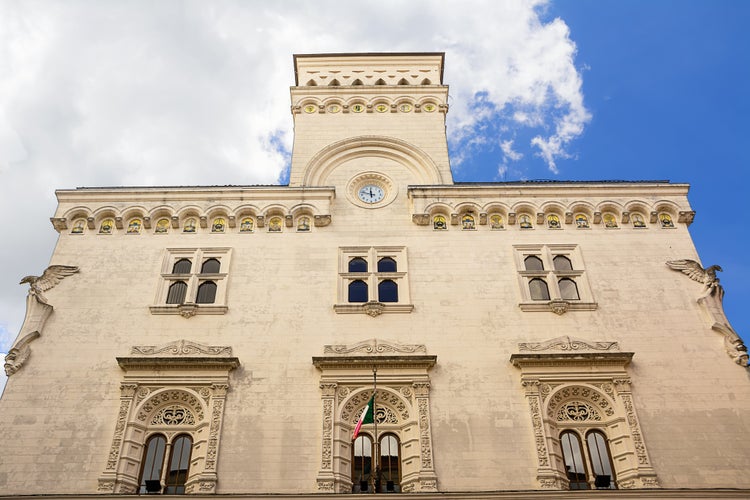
(49, 278)
(696, 272)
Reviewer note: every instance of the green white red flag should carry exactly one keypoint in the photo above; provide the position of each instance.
(367, 417)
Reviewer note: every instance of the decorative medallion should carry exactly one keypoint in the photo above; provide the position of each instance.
(357, 108)
(311, 108)
(334, 108)
(381, 108)
(429, 107)
(405, 108)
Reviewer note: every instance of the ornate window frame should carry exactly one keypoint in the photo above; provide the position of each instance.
(564, 370)
(194, 280)
(373, 278)
(551, 276)
(184, 374)
(346, 383)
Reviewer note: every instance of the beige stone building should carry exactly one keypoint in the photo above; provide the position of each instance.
(529, 339)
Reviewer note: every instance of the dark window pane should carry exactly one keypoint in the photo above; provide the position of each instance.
(568, 289)
(358, 291)
(573, 457)
(211, 266)
(176, 293)
(533, 263)
(387, 291)
(153, 460)
(601, 464)
(358, 265)
(206, 293)
(562, 263)
(390, 463)
(386, 265)
(182, 266)
(179, 464)
(361, 464)
(538, 289)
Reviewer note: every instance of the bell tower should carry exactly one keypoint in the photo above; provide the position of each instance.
(388, 105)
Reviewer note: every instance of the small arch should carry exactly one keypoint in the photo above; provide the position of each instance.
(274, 225)
(247, 225)
(426, 81)
(562, 263)
(303, 224)
(553, 221)
(134, 226)
(358, 291)
(468, 222)
(334, 83)
(380, 81)
(582, 221)
(610, 220)
(162, 226)
(568, 289)
(665, 220)
(107, 226)
(357, 82)
(211, 266)
(206, 293)
(387, 265)
(538, 289)
(358, 265)
(439, 222)
(311, 83)
(190, 225)
(182, 266)
(387, 291)
(176, 293)
(524, 221)
(403, 81)
(496, 222)
(533, 263)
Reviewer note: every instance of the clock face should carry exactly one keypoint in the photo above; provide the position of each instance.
(371, 193)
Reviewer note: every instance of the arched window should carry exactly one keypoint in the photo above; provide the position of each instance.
(533, 263)
(601, 463)
(177, 292)
(573, 458)
(390, 464)
(562, 263)
(179, 465)
(387, 291)
(358, 265)
(538, 289)
(568, 289)
(206, 293)
(151, 465)
(211, 266)
(361, 464)
(182, 266)
(386, 265)
(357, 291)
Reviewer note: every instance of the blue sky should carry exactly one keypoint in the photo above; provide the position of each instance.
(149, 93)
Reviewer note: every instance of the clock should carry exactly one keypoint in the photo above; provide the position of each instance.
(370, 193)
(371, 190)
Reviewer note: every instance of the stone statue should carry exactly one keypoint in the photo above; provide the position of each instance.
(37, 312)
(49, 278)
(696, 272)
(712, 302)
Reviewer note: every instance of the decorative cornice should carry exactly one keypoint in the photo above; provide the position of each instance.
(375, 352)
(182, 353)
(181, 348)
(572, 359)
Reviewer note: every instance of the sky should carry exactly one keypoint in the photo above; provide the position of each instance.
(111, 93)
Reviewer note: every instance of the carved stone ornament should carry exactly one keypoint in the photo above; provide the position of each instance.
(421, 219)
(559, 307)
(712, 303)
(375, 346)
(567, 344)
(181, 348)
(373, 308)
(321, 220)
(37, 312)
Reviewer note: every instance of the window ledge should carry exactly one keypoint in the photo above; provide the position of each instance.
(373, 308)
(188, 310)
(558, 306)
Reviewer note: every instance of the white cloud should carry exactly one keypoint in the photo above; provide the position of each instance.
(193, 92)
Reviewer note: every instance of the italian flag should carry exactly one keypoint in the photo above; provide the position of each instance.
(367, 417)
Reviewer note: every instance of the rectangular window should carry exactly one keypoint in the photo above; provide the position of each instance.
(552, 278)
(193, 281)
(373, 280)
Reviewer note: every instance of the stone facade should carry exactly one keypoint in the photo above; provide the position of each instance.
(257, 352)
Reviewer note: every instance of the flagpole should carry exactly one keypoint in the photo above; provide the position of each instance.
(376, 444)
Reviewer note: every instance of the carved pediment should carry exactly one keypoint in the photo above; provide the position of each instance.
(376, 347)
(568, 344)
(181, 348)
(180, 353)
